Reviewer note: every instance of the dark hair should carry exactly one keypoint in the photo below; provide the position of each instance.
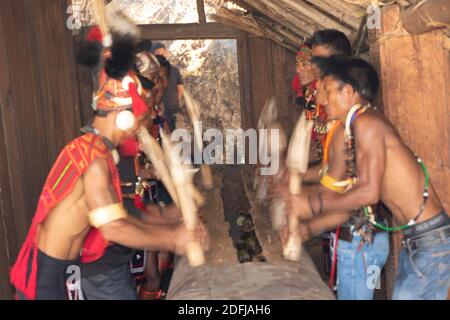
(144, 46)
(332, 39)
(147, 84)
(123, 52)
(164, 63)
(353, 71)
(157, 45)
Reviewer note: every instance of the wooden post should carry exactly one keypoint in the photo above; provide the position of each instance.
(201, 11)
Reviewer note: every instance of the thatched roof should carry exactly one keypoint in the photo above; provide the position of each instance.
(288, 22)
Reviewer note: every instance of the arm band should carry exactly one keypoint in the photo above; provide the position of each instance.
(104, 215)
(330, 183)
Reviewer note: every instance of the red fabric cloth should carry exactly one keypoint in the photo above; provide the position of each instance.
(139, 105)
(95, 35)
(71, 164)
(296, 86)
(129, 147)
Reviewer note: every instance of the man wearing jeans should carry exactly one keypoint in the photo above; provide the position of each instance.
(359, 267)
(356, 259)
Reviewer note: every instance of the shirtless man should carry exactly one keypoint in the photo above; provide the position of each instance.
(111, 278)
(381, 167)
(80, 208)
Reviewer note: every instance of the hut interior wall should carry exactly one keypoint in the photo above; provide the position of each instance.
(415, 73)
(38, 113)
(415, 77)
(266, 69)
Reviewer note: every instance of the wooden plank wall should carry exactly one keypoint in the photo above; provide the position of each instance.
(415, 80)
(266, 69)
(415, 73)
(38, 112)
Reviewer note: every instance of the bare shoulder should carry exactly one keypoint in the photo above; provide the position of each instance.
(98, 168)
(338, 135)
(98, 187)
(373, 125)
(97, 177)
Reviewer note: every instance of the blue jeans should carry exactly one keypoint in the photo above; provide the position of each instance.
(424, 273)
(359, 269)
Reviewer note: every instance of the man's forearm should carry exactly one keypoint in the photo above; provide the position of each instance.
(151, 218)
(137, 234)
(312, 175)
(326, 222)
(346, 202)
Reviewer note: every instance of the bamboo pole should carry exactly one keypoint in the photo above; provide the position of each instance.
(263, 21)
(153, 151)
(349, 14)
(281, 15)
(272, 32)
(317, 17)
(287, 16)
(237, 20)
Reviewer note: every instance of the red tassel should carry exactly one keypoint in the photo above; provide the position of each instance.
(334, 263)
(138, 202)
(95, 35)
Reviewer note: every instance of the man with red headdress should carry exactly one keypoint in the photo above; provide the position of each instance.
(80, 208)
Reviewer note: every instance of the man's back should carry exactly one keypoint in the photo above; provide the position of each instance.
(403, 180)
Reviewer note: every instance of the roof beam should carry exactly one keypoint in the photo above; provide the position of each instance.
(273, 12)
(312, 14)
(340, 12)
(187, 31)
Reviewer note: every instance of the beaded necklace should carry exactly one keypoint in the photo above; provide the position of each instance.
(354, 112)
(319, 116)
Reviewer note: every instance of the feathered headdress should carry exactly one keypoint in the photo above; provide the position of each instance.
(109, 49)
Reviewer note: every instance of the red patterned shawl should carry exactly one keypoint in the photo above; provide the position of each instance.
(71, 164)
